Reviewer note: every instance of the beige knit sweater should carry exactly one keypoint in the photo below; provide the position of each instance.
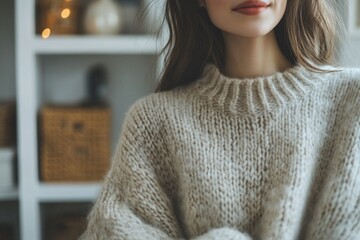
(275, 157)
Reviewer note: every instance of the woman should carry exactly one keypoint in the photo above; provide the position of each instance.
(251, 134)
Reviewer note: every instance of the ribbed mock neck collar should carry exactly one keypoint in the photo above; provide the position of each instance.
(254, 96)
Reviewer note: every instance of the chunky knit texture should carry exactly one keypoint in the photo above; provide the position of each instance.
(272, 157)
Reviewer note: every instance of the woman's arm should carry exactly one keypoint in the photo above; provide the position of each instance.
(336, 214)
(112, 218)
(133, 203)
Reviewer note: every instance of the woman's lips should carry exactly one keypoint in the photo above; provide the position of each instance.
(251, 7)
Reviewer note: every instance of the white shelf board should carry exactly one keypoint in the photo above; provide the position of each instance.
(125, 44)
(9, 194)
(68, 192)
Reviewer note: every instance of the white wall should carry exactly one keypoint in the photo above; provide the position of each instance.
(350, 47)
(351, 53)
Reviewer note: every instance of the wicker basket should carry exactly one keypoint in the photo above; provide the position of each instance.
(8, 124)
(75, 143)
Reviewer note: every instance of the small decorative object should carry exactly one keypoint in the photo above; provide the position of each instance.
(75, 143)
(354, 18)
(8, 124)
(6, 168)
(97, 79)
(103, 17)
(57, 17)
(154, 13)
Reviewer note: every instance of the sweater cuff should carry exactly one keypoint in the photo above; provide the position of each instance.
(225, 233)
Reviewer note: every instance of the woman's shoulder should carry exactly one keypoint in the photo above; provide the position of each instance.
(144, 117)
(340, 76)
(346, 85)
(147, 105)
(154, 107)
(155, 101)
(344, 73)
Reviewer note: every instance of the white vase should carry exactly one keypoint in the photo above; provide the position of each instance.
(103, 17)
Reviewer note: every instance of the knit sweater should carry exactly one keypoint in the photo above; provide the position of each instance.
(269, 157)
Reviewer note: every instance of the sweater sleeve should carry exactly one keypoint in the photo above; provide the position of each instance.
(135, 200)
(337, 213)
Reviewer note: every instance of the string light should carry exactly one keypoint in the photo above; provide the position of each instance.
(65, 13)
(46, 33)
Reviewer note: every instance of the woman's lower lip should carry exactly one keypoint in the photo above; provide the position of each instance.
(251, 10)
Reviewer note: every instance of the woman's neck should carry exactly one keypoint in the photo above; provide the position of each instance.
(252, 57)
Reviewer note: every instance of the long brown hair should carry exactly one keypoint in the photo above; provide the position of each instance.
(305, 35)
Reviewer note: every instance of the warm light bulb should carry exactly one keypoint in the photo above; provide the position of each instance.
(65, 13)
(46, 33)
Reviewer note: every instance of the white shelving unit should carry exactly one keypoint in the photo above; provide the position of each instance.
(37, 60)
(67, 192)
(9, 194)
(9, 204)
(135, 44)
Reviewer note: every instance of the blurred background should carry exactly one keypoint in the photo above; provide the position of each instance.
(69, 70)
